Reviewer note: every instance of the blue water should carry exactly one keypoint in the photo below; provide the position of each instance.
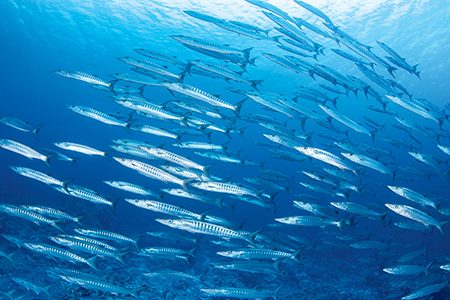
(39, 37)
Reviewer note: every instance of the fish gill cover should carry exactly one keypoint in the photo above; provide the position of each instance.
(249, 149)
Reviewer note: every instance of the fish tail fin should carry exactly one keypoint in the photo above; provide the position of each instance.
(142, 90)
(296, 255)
(415, 72)
(91, 262)
(254, 83)
(391, 70)
(135, 292)
(112, 84)
(65, 184)
(192, 251)
(439, 227)
(428, 268)
(276, 292)
(340, 224)
(252, 60)
(77, 219)
(251, 237)
(276, 38)
(186, 70)
(372, 66)
(184, 183)
(246, 53)
(55, 225)
(36, 129)
(238, 107)
(276, 265)
(120, 256)
(205, 169)
(45, 290)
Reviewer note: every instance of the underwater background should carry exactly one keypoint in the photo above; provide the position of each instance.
(319, 260)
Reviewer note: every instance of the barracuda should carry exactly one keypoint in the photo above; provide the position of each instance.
(29, 215)
(22, 149)
(151, 171)
(206, 228)
(79, 148)
(416, 215)
(60, 253)
(174, 158)
(85, 77)
(52, 212)
(130, 187)
(107, 235)
(367, 162)
(87, 194)
(146, 107)
(97, 115)
(21, 125)
(36, 175)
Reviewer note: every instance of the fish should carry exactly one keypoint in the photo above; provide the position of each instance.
(217, 50)
(130, 187)
(29, 215)
(224, 72)
(151, 171)
(21, 125)
(315, 209)
(85, 77)
(260, 253)
(255, 267)
(198, 94)
(174, 158)
(29, 286)
(146, 107)
(92, 241)
(37, 175)
(367, 162)
(357, 209)
(164, 208)
(413, 107)
(23, 150)
(199, 146)
(87, 194)
(195, 226)
(239, 293)
(60, 253)
(145, 128)
(324, 156)
(399, 60)
(346, 121)
(313, 221)
(92, 249)
(272, 8)
(167, 252)
(426, 159)
(52, 212)
(415, 215)
(225, 188)
(314, 10)
(408, 269)
(98, 115)
(107, 235)
(169, 59)
(151, 68)
(99, 285)
(412, 196)
(79, 148)
(426, 291)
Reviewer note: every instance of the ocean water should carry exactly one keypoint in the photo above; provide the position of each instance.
(321, 261)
